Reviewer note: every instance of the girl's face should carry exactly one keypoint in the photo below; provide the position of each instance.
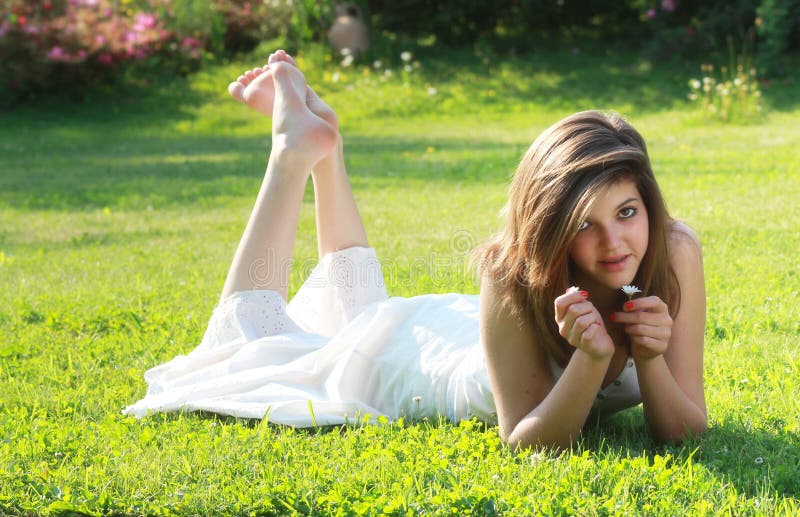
(613, 240)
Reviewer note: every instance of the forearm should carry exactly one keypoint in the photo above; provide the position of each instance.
(558, 419)
(670, 412)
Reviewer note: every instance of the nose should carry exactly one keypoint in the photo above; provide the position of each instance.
(611, 236)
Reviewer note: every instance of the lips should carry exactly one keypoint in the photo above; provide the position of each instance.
(615, 263)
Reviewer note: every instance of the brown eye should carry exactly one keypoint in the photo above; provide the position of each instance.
(627, 213)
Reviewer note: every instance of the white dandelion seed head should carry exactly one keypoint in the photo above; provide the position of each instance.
(405, 56)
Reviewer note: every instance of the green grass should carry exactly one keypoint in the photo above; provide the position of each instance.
(119, 217)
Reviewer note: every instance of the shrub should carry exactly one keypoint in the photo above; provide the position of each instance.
(66, 45)
(733, 96)
(778, 24)
(522, 23)
(686, 28)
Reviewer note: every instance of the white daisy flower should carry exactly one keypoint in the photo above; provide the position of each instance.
(630, 290)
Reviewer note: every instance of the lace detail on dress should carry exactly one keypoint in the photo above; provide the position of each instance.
(246, 316)
(337, 290)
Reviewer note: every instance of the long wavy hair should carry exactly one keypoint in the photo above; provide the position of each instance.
(551, 194)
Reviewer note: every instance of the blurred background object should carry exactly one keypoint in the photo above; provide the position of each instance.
(348, 30)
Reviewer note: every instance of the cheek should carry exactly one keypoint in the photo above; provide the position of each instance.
(580, 249)
(643, 232)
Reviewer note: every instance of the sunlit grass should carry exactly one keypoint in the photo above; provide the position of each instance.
(118, 220)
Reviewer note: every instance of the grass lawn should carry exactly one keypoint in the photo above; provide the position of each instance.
(119, 217)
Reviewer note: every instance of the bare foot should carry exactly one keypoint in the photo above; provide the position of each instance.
(295, 128)
(256, 89)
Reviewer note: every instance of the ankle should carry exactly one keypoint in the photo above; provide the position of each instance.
(286, 152)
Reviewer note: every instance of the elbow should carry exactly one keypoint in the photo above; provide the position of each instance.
(684, 432)
(518, 441)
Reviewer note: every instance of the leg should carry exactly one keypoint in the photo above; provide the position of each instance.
(300, 139)
(339, 224)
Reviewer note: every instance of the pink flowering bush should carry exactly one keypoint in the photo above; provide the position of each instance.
(65, 45)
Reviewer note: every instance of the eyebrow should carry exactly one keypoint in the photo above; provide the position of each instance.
(627, 201)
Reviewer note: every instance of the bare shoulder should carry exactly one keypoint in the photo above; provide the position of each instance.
(685, 249)
(516, 364)
(499, 316)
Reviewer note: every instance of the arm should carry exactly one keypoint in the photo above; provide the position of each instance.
(669, 354)
(532, 409)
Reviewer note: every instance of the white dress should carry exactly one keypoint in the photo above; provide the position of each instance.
(341, 352)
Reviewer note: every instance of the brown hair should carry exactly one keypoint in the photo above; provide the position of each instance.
(551, 194)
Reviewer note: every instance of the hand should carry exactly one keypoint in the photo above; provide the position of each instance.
(648, 324)
(581, 325)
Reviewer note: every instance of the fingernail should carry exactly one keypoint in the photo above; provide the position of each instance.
(629, 305)
(585, 294)
(613, 317)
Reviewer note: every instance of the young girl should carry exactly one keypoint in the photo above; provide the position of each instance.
(550, 340)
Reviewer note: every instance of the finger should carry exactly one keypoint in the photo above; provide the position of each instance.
(566, 322)
(651, 345)
(589, 332)
(660, 333)
(658, 319)
(581, 325)
(563, 302)
(577, 310)
(648, 303)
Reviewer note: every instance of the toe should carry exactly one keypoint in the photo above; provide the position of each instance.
(287, 58)
(236, 90)
(281, 55)
(290, 59)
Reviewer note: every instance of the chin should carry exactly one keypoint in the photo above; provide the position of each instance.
(617, 284)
